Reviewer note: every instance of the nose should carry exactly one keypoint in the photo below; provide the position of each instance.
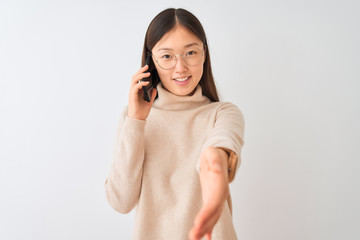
(180, 65)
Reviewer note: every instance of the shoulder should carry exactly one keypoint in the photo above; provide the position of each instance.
(228, 110)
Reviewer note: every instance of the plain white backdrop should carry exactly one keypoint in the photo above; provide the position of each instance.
(292, 67)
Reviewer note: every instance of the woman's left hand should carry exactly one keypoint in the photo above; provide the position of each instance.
(214, 186)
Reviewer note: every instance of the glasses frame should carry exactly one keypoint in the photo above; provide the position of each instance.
(176, 58)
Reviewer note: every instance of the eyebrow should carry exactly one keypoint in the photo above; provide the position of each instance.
(186, 46)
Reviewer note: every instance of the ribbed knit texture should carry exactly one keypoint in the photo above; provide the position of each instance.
(155, 165)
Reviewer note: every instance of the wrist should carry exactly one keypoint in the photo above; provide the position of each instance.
(133, 115)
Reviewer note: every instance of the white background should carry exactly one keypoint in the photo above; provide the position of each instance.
(292, 67)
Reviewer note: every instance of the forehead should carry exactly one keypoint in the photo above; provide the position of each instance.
(177, 39)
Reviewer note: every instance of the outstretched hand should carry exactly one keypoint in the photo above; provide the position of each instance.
(214, 186)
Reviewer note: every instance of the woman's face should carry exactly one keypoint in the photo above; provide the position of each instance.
(182, 79)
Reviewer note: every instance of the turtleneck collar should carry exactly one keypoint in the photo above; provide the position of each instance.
(169, 101)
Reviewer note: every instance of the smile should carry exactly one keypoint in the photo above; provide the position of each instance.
(181, 79)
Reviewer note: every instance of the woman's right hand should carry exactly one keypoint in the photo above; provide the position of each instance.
(139, 108)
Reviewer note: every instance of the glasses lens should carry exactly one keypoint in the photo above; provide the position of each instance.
(192, 57)
(167, 60)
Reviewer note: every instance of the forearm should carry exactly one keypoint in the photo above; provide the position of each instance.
(215, 158)
(214, 187)
(124, 180)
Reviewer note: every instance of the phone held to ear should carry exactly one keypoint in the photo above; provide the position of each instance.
(148, 88)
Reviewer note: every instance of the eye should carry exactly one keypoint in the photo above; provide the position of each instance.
(190, 53)
(166, 56)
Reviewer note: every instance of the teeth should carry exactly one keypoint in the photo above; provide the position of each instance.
(181, 79)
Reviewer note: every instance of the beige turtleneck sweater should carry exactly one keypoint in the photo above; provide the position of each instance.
(155, 165)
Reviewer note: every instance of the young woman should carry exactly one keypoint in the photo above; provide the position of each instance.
(175, 155)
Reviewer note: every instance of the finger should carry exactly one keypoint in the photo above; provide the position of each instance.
(137, 88)
(141, 84)
(142, 69)
(208, 236)
(193, 234)
(139, 76)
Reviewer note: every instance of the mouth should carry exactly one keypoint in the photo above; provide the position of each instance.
(182, 81)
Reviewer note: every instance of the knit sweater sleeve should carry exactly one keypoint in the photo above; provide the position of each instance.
(123, 183)
(227, 134)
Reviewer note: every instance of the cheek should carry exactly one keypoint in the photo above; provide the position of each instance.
(164, 76)
(161, 73)
(200, 72)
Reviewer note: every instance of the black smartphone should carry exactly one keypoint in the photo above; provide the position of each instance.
(148, 88)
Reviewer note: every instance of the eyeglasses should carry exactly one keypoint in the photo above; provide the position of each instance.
(192, 57)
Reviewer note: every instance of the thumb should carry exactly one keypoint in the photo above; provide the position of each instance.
(208, 236)
(153, 95)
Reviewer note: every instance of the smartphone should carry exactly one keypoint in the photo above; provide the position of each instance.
(148, 88)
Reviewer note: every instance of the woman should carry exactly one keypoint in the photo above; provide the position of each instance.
(175, 155)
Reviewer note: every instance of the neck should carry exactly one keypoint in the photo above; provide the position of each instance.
(169, 101)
